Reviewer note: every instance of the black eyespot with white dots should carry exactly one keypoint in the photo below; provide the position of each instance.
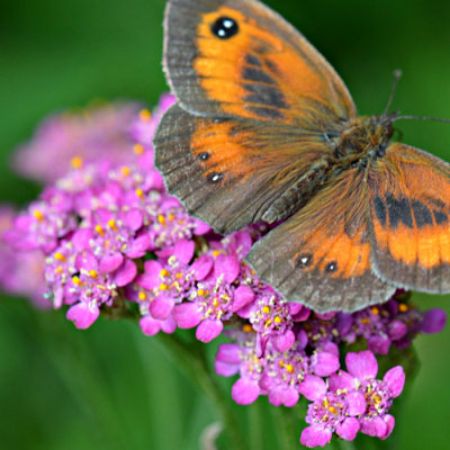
(332, 267)
(225, 28)
(204, 156)
(304, 261)
(215, 177)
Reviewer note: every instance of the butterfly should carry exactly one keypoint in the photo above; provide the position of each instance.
(264, 130)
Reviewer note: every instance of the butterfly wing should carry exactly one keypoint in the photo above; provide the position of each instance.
(410, 217)
(238, 58)
(231, 173)
(321, 256)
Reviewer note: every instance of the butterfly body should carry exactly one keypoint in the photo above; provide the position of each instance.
(265, 130)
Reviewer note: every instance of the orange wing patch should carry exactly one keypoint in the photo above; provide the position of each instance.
(411, 219)
(338, 256)
(218, 151)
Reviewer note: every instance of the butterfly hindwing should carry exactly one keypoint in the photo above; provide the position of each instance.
(231, 173)
(238, 58)
(321, 256)
(410, 217)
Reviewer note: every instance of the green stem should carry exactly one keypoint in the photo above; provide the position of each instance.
(255, 427)
(194, 363)
(78, 370)
(286, 433)
(341, 444)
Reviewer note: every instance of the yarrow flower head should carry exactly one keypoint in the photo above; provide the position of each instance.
(100, 134)
(105, 238)
(351, 402)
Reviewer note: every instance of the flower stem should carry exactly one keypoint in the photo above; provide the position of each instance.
(341, 444)
(192, 360)
(76, 365)
(287, 436)
(255, 426)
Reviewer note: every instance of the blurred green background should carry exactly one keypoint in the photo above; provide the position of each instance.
(110, 387)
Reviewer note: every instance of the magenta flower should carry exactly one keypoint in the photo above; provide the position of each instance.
(21, 273)
(144, 128)
(42, 225)
(167, 280)
(352, 401)
(284, 373)
(241, 358)
(98, 134)
(271, 319)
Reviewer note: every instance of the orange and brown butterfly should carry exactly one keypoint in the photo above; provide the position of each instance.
(265, 130)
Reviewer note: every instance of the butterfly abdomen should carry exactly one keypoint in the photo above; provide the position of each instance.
(299, 193)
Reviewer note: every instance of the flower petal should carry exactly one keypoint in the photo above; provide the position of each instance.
(110, 263)
(348, 429)
(286, 396)
(184, 251)
(342, 381)
(243, 296)
(187, 315)
(228, 267)
(169, 325)
(395, 380)
(208, 330)
(356, 403)
(83, 315)
(245, 391)
(202, 266)
(149, 326)
(379, 344)
(229, 353)
(150, 279)
(139, 246)
(375, 426)
(390, 425)
(315, 436)
(362, 365)
(325, 364)
(125, 274)
(434, 321)
(284, 341)
(313, 388)
(161, 308)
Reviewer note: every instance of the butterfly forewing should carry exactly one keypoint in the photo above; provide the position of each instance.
(410, 217)
(239, 58)
(231, 173)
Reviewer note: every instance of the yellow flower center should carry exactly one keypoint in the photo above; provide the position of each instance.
(38, 215)
(77, 162)
(59, 257)
(112, 225)
(99, 230)
(145, 115)
(125, 171)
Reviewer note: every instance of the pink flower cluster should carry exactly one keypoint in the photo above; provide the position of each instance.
(106, 237)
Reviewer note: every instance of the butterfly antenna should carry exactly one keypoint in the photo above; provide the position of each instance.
(422, 118)
(397, 74)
